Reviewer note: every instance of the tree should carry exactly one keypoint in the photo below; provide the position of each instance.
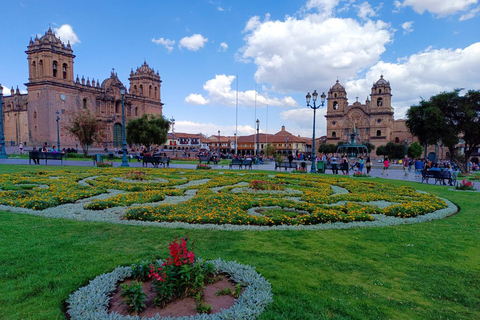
(85, 127)
(415, 150)
(391, 150)
(448, 117)
(269, 150)
(148, 130)
(369, 146)
(328, 148)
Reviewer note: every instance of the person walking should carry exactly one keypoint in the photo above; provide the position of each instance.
(368, 165)
(361, 163)
(405, 166)
(386, 165)
(418, 167)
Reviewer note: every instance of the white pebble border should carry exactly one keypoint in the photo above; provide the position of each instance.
(91, 302)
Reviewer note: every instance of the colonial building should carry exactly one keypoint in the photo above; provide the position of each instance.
(32, 117)
(372, 121)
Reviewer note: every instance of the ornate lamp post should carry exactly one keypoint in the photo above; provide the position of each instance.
(258, 141)
(218, 143)
(287, 145)
(314, 107)
(406, 147)
(58, 130)
(124, 136)
(3, 153)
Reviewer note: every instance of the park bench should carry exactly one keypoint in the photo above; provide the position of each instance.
(155, 161)
(207, 159)
(286, 165)
(45, 155)
(247, 163)
(439, 176)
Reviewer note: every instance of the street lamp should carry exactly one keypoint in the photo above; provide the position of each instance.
(219, 143)
(58, 130)
(287, 145)
(235, 134)
(314, 107)
(258, 141)
(406, 147)
(124, 141)
(172, 121)
(3, 153)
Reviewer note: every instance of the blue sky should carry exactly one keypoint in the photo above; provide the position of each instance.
(274, 51)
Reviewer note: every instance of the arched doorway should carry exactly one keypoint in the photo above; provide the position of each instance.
(117, 135)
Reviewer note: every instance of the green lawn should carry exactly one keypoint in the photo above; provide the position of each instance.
(421, 271)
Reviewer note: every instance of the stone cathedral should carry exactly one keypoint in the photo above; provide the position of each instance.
(51, 86)
(372, 121)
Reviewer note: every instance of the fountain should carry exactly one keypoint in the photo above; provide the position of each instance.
(353, 150)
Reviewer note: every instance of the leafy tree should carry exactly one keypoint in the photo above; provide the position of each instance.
(391, 150)
(85, 127)
(381, 151)
(369, 146)
(328, 148)
(448, 117)
(269, 150)
(415, 150)
(148, 130)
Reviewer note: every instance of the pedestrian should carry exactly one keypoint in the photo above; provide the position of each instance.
(386, 165)
(361, 163)
(20, 147)
(35, 156)
(418, 167)
(405, 166)
(368, 165)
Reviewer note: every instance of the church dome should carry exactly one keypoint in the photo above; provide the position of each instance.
(145, 69)
(50, 37)
(381, 82)
(337, 87)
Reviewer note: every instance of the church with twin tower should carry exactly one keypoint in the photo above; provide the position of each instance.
(52, 87)
(372, 121)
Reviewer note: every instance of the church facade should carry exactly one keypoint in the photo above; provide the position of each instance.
(53, 94)
(371, 121)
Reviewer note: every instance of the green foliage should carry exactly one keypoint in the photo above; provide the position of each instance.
(238, 291)
(134, 297)
(269, 150)
(148, 130)
(223, 292)
(202, 307)
(328, 148)
(84, 127)
(369, 146)
(392, 150)
(203, 167)
(415, 150)
(141, 270)
(445, 117)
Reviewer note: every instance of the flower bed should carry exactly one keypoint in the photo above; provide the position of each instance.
(91, 301)
(210, 198)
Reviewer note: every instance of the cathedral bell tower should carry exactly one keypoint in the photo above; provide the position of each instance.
(336, 108)
(49, 59)
(145, 83)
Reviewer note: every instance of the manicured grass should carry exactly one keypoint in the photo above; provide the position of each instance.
(422, 271)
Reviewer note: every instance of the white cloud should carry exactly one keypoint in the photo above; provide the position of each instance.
(196, 99)
(165, 42)
(66, 34)
(303, 119)
(365, 11)
(223, 47)
(7, 90)
(407, 27)
(219, 92)
(422, 75)
(323, 7)
(441, 8)
(303, 54)
(209, 129)
(193, 43)
(470, 14)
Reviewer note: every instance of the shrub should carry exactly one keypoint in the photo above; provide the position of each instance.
(134, 296)
(466, 185)
(203, 167)
(104, 164)
(136, 175)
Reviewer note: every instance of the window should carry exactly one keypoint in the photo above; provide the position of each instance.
(136, 111)
(334, 122)
(379, 90)
(54, 67)
(34, 114)
(379, 120)
(379, 102)
(155, 93)
(118, 107)
(40, 65)
(335, 95)
(379, 133)
(84, 103)
(64, 71)
(397, 140)
(335, 105)
(141, 90)
(334, 134)
(34, 69)
(135, 89)
(150, 91)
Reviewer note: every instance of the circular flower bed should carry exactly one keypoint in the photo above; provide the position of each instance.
(91, 302)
